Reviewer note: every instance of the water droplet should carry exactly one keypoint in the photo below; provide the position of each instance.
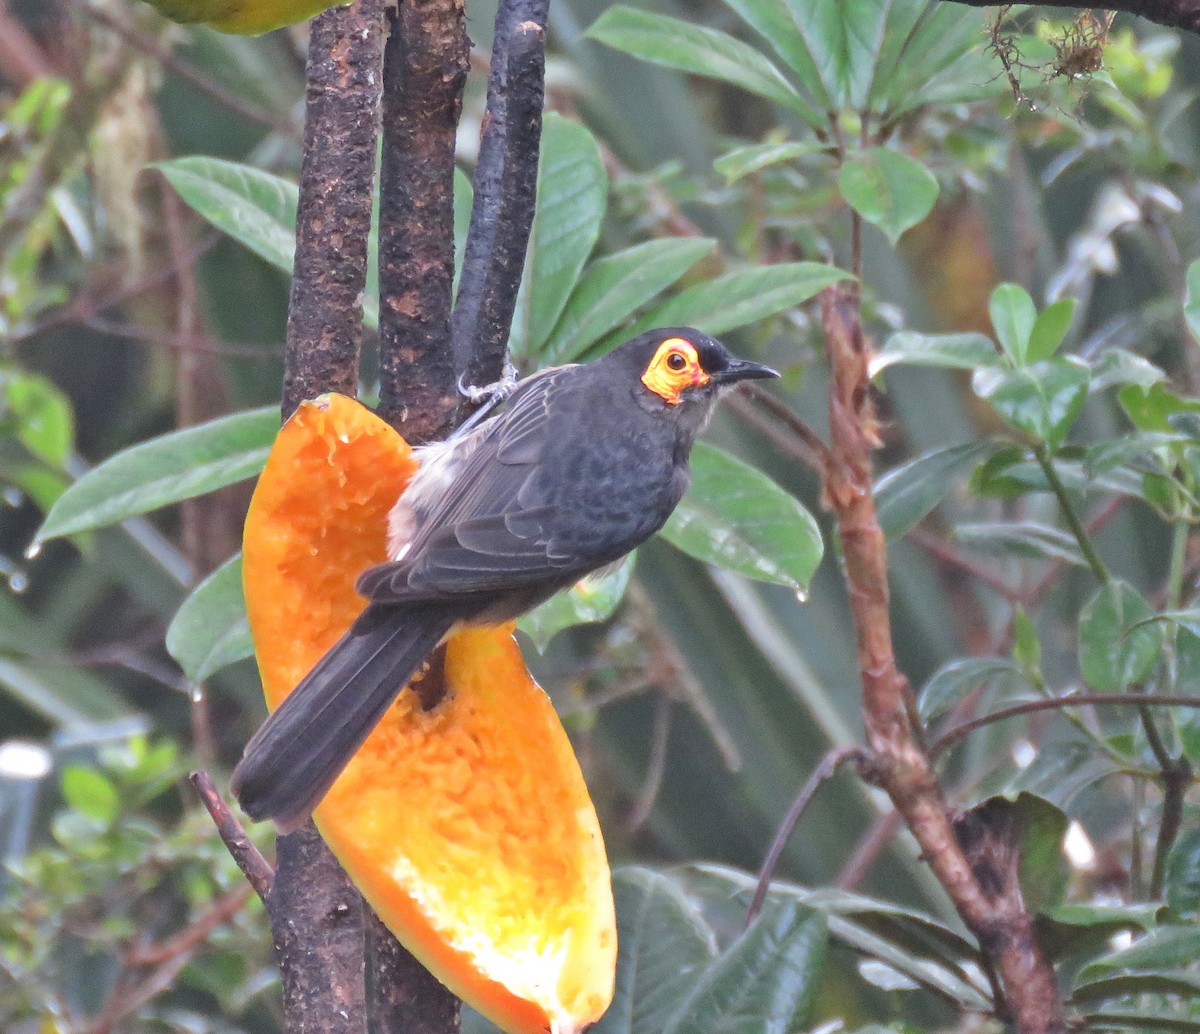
(801, 595)
(18, 580)
(34, 551)
(197, 694)
(12, 496)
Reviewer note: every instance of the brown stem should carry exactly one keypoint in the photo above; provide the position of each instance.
(337, 173)
(425, 67)
(258, 871)
(221, 911)
(505, 190)
(953, 735)
(1002, 926)
(824, 771)
(1178, 14)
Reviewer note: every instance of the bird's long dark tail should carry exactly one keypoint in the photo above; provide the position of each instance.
(302, 747)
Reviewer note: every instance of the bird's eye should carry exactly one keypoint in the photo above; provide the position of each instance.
(676, 361)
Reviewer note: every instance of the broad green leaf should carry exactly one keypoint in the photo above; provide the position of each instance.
(888, 189)
(1149, 1019)
(956, 679)
(1042, 871)
(948, 351)
(572, 195)
(907, 495)
(699, 50)
(165, 470)
(210, 630)
(1062, 774)
(1118, 366)
(1013, 316)
(254, 207)
(844, 39)
(1152, 408)
(1027, 648)
(663, 943)
(1043, 399)
(595, 598)
(1114, 649)
(1155, 982)
(902, 938)
(1142, 448)
(736, 517)
(777, 23)
(63, 696)
(44, 422)
(1183, 874)
(614, 287)
(942, 62)
(742, 296)
(1049, 329)
(1110, 918)
(1191, 299)
(1029, 540)
(1164, 948)
(91, 793)
(743, 161)
(763, 982)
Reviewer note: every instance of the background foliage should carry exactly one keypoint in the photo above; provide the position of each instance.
(1039, 483)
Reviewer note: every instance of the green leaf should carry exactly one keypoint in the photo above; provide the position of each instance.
(845, 40)
(699, 50)
(1114, 649)
(91, 793)
(744, 161)
(1149, 1019)
(736, 517)
(254, 207)
(614, 287)
(742, 296)
(958, 678)
(1152, 408)
(1043, 399)
(1172, 982)
(1042, 871)
(1118, 366)
(1191, 299)
(1183, 874)
(1029, 540)
(948, 351)
(571, 199)
(165, 470)
(1027, 650)
(1049, 329)
(779, 25)
(764, 982)
(663, 943)
(1013, 316)
(888, 189)
(210, 630)
(1164, 948)
(907, 495)
(595, 598)
(45, 424)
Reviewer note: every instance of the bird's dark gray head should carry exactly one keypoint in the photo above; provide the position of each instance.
(675, 366)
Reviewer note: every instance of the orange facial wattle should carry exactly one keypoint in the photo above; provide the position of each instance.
(674, 368)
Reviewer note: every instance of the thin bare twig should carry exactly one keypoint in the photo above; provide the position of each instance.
(656, 766)
(259, 873)
(195, 933)
(824, 771)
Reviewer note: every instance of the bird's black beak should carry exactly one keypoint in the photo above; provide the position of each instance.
(742, 370)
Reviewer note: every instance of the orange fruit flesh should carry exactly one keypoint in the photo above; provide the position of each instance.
(468, 828)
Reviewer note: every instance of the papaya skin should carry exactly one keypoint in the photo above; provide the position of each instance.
(467, 827)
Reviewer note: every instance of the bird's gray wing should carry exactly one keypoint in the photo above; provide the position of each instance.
(481, 524)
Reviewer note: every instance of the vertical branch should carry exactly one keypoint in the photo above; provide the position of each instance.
(505, 191)
(316, 914)
(898, 762)
(425, 68)
(337, 173)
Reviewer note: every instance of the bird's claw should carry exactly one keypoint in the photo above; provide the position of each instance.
(495, 392)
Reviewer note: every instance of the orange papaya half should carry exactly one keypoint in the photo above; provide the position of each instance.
(468, 827)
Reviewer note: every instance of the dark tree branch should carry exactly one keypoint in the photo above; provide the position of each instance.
(337, 174)
(1176, 14)
(403, 997)
(505, 191)
(425, 68)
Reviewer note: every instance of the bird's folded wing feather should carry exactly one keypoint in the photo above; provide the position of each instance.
(487, 528)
